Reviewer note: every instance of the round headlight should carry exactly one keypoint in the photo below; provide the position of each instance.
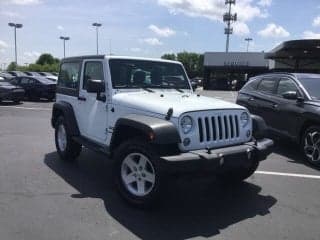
(244, 118)
(186, 124)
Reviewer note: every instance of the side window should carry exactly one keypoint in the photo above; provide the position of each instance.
(92, 70)
(267, 85)
(31, 81)
(24, 81)
(69, 75)
(285, 85)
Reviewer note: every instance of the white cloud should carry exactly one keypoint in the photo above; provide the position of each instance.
(212, 9)
(135, 49)
(3, 44)
(316, 22)
(152, 41)
(10, 14)
(60, 28)
(241, 29)
(311, 35)
(162, 32)
(32, 54)
(23, 2)
(274, 31)
(265, 3)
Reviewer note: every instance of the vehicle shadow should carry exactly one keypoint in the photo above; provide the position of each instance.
(291, 151)
(189, 207)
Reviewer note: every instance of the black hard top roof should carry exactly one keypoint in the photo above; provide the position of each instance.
(80, 58)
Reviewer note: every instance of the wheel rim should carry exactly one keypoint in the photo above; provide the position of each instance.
(137, 174)
(62, 138)
(312, 146)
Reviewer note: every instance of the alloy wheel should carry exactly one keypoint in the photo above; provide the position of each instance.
(312, 146)
(138, 174)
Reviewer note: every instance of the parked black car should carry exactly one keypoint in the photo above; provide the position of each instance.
(36, 87)
(290, 105)
(10, 92)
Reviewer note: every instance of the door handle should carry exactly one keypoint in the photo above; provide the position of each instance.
(251, 99)
(274, 105)
(82, 98)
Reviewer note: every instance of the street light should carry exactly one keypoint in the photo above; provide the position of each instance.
(64, 45)
(248, 40)
(15, 26)
(97, 25)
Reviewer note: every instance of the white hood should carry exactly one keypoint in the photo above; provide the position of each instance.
(160, 102)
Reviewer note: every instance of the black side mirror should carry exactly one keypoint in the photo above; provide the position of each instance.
(95, 86)
(290, 95)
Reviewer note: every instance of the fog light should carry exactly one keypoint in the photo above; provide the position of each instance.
(248, 133)
(186, 141)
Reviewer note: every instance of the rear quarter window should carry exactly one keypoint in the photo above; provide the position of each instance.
(267, 85)
(252, 84)
(69, 75)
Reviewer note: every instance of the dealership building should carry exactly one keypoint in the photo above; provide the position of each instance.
(221, 69)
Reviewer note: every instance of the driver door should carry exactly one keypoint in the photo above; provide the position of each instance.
(92, 110)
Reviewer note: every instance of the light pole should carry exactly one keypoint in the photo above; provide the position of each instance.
(64, 45)
(97, 25)
(15, 26)
(248, 40)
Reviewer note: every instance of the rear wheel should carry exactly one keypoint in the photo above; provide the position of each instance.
(67, 148)
(310, 145)
(138, 174)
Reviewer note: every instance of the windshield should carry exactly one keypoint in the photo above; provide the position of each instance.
(312, 85)
(147, 74)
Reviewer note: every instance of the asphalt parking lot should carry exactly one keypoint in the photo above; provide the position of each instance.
(42, 197)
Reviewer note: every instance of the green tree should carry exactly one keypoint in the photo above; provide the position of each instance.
(46, 58)
(169, 56)
(191, 62)
(12, 66)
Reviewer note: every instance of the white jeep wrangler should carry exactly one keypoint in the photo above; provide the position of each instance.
(144, 114)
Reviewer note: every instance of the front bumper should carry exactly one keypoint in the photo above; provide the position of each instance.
(233, 156)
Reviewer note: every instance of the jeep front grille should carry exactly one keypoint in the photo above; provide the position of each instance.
(222, 127)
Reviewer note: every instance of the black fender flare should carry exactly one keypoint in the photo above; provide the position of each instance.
(259, 127)
(66, 110)
(158, 131)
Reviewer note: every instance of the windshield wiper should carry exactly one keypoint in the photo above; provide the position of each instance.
(147, 89)
(179, 90)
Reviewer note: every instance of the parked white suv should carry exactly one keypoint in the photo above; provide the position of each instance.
(144, 114)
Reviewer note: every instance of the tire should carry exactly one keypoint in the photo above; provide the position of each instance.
(238, 175)
(138, 163)
(310, 145)
(67, 148)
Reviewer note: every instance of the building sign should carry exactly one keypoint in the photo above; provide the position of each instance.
(235, 59)
(236, 63)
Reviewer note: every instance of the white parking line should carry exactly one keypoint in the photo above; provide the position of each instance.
(27, 108)
(288, 174)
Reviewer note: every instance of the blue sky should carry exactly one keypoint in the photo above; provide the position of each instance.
(150, 27)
